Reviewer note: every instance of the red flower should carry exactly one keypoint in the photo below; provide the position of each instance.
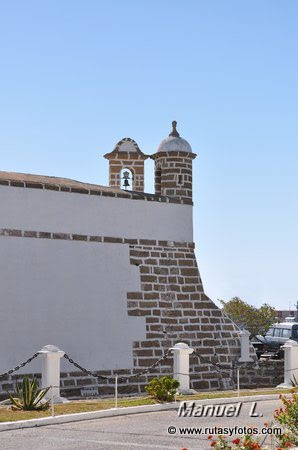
(210, 436)
(213, 444)
(288, 444)
(236, 441)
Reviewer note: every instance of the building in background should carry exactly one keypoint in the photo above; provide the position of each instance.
(109, 274)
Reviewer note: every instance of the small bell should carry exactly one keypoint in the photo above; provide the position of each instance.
(126, 179)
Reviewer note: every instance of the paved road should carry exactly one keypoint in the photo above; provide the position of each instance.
(139, 431)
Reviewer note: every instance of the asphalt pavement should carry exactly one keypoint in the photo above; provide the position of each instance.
(144, 431)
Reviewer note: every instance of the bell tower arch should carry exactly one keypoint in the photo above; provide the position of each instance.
(126, 166)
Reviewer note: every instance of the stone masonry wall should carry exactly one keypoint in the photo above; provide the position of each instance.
(127, 154)
(175, 308)
(131, 161)
(173, 174)
(76, 384)
(269, 373)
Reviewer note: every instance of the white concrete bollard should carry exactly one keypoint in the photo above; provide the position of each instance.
(181, 366)
(50, 372)
(291, 363)
(244, 345)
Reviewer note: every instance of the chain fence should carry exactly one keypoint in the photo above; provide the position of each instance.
(120, 378)
(15, 369)
(233, 367)
(221, 369)
(86, 371)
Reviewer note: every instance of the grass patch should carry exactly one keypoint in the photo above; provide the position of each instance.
(7, 415)
(227, 394)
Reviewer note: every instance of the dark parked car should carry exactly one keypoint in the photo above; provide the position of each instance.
(277, 335)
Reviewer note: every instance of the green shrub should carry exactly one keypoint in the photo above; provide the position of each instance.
(244, 443)
(287, 416)
(163, 388)
(28, 397)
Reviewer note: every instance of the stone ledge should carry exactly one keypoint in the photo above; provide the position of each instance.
(77, 187)
(8, 232)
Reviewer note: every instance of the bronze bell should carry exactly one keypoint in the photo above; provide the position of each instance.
(126, 179)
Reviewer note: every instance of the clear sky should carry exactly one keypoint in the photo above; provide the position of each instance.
(77, 76)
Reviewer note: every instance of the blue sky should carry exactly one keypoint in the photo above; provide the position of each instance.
(77, 76)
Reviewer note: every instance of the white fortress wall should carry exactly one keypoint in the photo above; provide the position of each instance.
(67, 293)
(63, 212)
(71, 293)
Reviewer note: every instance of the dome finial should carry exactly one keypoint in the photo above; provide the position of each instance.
(174, 131)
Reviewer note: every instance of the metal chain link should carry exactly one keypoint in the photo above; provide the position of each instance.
(143, 372)
(9, 372)
(208, 361)
(289, 370)
(218, 367)
(87, 372)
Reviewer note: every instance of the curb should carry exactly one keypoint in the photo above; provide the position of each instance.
(77, 417)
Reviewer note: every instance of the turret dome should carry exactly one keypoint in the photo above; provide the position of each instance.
(174, 143)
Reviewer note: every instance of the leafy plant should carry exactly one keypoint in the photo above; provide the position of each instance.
(255, 320)
(28, 397)
(287, 416)
(163, 388)
(246, 442)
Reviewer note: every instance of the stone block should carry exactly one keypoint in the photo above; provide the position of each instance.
(134, 295)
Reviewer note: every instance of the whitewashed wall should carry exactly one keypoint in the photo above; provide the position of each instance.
(69, 293)
(42, 210)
